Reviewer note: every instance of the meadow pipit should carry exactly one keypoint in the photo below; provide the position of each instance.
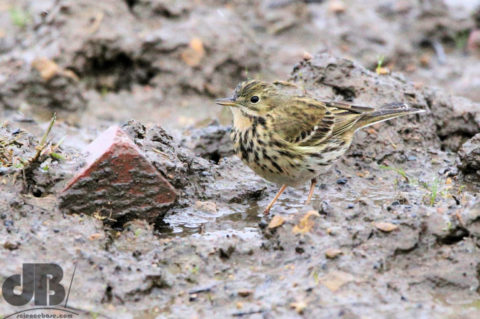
(290, 140)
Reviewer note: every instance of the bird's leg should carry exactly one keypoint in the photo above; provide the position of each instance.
(267, 210)
(312, 189)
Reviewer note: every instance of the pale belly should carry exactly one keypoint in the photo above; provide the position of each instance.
(282, 162)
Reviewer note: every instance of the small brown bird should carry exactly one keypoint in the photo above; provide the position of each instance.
(290, 140)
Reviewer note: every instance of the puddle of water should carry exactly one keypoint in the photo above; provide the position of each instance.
(379, 192)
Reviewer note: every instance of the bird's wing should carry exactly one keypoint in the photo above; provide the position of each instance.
(346, 115)
(308, 122)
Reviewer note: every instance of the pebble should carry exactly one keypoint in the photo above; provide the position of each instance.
(207, 206)
(342, 181)
(333, 253)
(244, 292)
(385, 227)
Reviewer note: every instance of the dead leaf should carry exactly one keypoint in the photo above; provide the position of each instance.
(385, 227)
(418, 85)
(372, 131)
(47, 68)
(194, 54)
(299, 306)
(96, 21)
(333, 253)
(95, 236)
(276, 221)
(306, 223)
(336, 279)
(425, 60)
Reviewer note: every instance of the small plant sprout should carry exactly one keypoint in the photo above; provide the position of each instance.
(399, 171)
(461, 40)
(195, 269)
(380, 70)
(448, 226)
(19, 17)
(434, 188)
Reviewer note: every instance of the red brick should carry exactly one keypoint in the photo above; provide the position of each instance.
(118, 182)
(473, 43)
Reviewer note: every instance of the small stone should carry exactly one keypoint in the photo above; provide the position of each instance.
(325, 208)
(342, 181)
(299, 306)
(385, 227)
(382, 71)
(11, 246)
(337, 6)
(276, 221)
(262, 224)
(244, 293)
(118, 182)
(350, 206)
(333, 253)
(307, 56)
(208, 207)
(335, 279)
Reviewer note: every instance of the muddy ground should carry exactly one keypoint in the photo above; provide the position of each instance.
(393, 230)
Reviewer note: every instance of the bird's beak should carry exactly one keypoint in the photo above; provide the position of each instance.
(226, 102)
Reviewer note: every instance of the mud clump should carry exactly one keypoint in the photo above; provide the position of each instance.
(212, 142)
(469, 157)
(40, 88)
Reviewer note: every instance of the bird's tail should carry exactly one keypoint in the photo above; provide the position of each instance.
(386, 112)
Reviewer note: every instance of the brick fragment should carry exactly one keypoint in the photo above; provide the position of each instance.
(118, 183)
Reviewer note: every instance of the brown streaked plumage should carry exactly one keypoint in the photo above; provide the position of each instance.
(290, 140)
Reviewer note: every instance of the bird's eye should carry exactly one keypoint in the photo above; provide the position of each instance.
(254, 99)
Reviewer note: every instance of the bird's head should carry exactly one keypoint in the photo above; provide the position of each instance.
(253, 97)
